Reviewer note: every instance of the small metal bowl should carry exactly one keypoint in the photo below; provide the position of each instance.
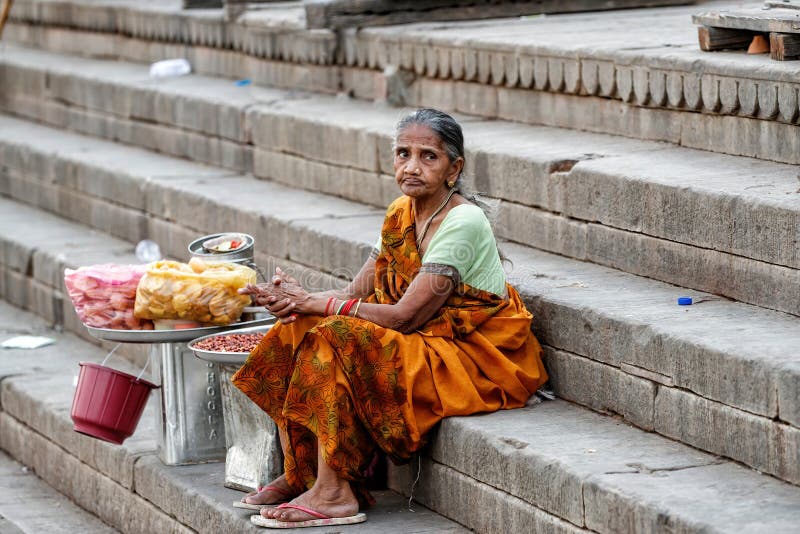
(226, 358)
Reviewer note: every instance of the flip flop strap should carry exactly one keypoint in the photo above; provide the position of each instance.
(276, 489)
(309, 511)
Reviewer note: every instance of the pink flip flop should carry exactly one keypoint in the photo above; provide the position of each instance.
(247, 506)
(321, 521)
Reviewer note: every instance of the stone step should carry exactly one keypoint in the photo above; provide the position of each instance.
(126, 486)
(615, 342)
(593, 473)
(552, 467)
(29, 506)
(716, 223)
(636, 73)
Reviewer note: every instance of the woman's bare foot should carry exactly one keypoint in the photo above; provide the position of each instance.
(275, 492)
(334, 500)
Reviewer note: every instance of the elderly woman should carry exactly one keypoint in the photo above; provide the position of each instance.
(427, 329)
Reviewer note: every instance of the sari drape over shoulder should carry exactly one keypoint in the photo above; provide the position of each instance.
(354, 385)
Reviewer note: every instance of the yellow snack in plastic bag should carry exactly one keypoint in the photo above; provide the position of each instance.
(198, 291)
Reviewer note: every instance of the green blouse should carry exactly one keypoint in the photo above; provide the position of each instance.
(464, 248)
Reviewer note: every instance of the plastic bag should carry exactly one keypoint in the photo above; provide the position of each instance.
(200, 291)
(103, 295)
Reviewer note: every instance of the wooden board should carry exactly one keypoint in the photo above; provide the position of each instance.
(784, 46)
(779, 20)
(350, 13)
(201, 4)
(723, 38)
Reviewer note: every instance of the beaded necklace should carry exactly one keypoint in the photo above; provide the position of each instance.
(421, 237)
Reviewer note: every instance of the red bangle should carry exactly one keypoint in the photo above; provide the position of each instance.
(328, 305)
(348, 306)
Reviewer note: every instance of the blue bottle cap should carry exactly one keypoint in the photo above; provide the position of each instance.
(684, 301)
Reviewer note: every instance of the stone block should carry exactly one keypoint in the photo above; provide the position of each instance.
(601, 387)
(118, 507)
(588, 113)
(17, 289)
(742, 279)
(428, 92)
(475, 99)
(363, 84)
(703, 492)
(326, 244)
(46, 302)
(735, 210)
(638, 323)
(542, 229)
(334, 180)
(172, 238)
(93, 212)
(330, 144)
(175, 491)
(716, 428)
(741, 136)
(786, 440)
(478, 506)
(789, 393)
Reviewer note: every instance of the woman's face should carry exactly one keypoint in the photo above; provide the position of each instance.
(421, 165)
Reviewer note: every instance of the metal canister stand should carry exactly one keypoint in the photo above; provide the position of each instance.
(190, 412)
(254, 454)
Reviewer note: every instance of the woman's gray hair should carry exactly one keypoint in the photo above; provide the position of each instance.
(449, 131)
(440, 123)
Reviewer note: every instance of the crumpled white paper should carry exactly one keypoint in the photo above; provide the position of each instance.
(27, 342)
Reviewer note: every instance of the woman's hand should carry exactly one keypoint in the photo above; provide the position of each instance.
(284, 297)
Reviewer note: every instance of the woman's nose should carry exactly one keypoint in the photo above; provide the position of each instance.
(412, 167)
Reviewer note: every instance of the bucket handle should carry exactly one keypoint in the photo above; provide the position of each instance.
(114, 350)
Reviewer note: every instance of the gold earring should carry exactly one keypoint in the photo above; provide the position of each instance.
(451, 184)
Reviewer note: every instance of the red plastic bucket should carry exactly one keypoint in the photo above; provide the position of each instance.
(108, 403)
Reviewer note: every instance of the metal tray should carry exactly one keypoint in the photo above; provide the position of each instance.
(170, 336)
(227, 358)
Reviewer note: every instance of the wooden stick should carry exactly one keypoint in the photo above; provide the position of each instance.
(784, 46)
(712, 38)
(4, 15)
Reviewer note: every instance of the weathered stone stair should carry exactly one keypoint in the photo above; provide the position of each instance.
(633, 224)
(665, 212)
(552, 466)
(28, 505)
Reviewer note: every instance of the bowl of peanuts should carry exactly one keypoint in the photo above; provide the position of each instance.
(229, 348)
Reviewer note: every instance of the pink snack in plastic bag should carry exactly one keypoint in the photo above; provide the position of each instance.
(103, 295)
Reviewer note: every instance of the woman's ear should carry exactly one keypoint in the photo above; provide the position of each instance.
(455, 169)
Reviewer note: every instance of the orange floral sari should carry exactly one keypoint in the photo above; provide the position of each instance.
(353, 385)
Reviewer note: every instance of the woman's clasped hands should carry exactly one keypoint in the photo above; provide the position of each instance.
(284, 297)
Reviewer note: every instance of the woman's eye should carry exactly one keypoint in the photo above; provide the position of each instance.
(402, 153)
(430, 155)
